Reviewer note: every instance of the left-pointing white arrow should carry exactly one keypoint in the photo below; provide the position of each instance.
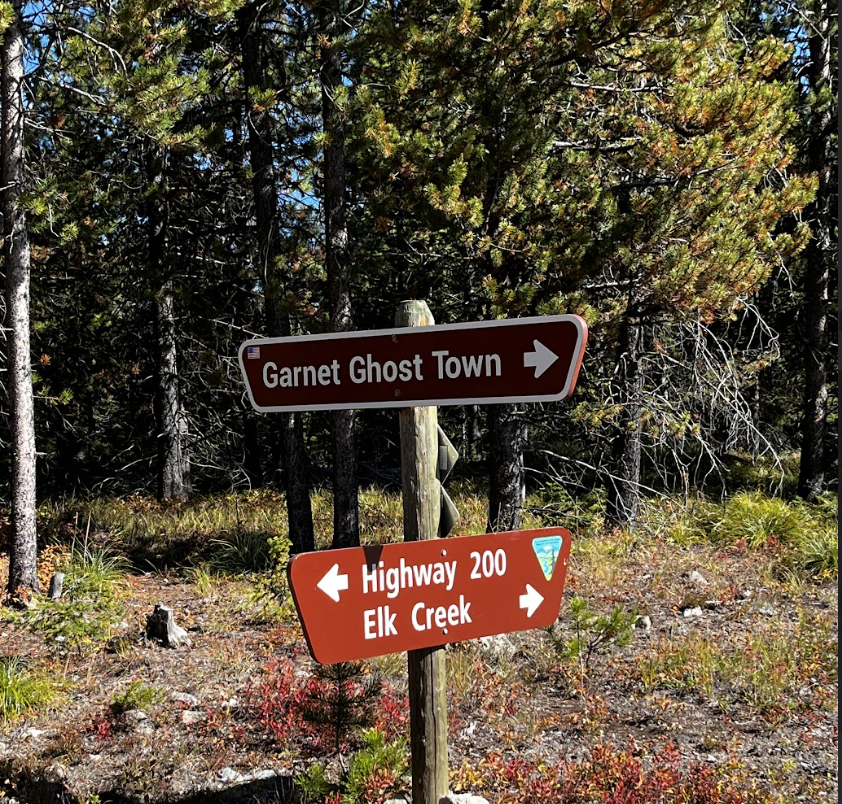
(531, 600)
(540, 359)
(333, 583)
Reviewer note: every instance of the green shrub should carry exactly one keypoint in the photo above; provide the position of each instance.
(240, 552)
(776, 475)
(268, 598)
(816, 553)
(22, 690)
(376, 772)
(136, 696)
(376, 769)
(759, 519)
(89, 608)
(679, 520)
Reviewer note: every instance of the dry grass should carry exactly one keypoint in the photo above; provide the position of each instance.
(742, 688)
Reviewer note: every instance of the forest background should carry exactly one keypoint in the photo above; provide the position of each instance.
(181, 176)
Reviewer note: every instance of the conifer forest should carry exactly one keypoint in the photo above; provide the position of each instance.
(181, 176)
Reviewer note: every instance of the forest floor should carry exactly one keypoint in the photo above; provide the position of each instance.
(727, 692)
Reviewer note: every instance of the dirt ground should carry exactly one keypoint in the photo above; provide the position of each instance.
(202, 738)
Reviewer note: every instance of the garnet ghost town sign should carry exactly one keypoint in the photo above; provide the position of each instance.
(370, 601)
(514, 360)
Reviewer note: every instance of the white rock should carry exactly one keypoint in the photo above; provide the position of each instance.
(229, 775)
(643, 623)
(57, 771)
(185, 698)
(463, 798)
(135, 715)
(35, 733)
(497, 647)
(469, 730)
(697, 578)
(695, 611)
(189, 716)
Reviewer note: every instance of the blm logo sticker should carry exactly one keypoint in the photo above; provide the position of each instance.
(546, 550)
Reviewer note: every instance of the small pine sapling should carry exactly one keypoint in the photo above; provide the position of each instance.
(340, 698)
(594, 634)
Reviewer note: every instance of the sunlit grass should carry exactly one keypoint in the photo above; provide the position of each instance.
(768, 672)
(231, 531)
(23, 690)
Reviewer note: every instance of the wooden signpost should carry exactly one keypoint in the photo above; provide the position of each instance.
(424, 593)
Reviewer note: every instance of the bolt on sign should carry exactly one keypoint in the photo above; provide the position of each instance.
(514, 360)
(371, 601)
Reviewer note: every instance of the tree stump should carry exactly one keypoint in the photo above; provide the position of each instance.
(160, 625)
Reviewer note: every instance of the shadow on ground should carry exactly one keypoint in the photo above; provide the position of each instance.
(29, 789)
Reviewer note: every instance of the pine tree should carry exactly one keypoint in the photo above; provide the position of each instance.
(23, 574)
(620, 163)
(332, 23)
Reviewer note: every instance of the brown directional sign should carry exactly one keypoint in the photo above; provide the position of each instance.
(371, 601)
(516, 360)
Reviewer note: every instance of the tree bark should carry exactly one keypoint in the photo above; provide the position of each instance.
(252, 463)
(819, 255)
(264, 188)
(623, 486)
(23, 575)
(173, 460)
(507, 440)
(346, 521)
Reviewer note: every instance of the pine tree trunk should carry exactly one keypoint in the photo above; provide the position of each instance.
(23, 574)
(252, 463)
(346, 522)
(623, 486)
(472, 431)
(264, 188)
(507, 440)
(819, 255)
(814, 424)
(173, 461)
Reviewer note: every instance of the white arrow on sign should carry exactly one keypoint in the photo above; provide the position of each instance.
(333, 583)
(540, 359)
(531, 600)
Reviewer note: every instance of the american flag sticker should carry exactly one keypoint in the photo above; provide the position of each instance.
(253, 353)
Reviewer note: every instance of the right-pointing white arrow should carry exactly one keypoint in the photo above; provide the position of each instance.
(531, 600)
(540, 359)
(333, 583)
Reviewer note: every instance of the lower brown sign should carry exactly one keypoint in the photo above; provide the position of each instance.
(370, 601)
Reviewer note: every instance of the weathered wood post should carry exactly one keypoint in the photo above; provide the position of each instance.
(421, 511)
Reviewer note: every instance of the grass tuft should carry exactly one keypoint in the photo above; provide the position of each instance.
(758, 519)
(89, 607)
(22, 690)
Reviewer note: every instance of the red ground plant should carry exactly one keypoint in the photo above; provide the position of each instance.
(612, 776)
